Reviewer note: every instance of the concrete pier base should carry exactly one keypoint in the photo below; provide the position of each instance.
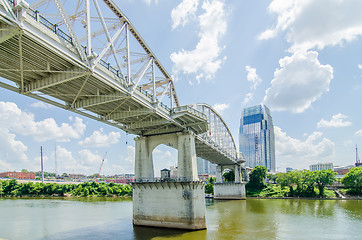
(169, 204)
(229, 190)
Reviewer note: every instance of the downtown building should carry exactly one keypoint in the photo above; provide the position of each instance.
(256, 137)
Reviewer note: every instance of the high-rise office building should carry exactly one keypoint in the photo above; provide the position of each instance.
(256, 139)
(205, 167)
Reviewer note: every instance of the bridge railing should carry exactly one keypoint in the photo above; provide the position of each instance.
(35, 14)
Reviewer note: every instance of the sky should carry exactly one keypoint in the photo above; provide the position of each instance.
(301, 58)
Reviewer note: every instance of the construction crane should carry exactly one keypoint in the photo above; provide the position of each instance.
(100, 168)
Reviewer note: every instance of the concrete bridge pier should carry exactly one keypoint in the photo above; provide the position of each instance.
(179, 204)
(229, 190)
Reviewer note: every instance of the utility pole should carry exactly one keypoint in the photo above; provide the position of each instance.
(42, 168)
(55, 159)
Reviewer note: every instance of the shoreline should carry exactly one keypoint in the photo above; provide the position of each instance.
(309, 198)
(206, 197)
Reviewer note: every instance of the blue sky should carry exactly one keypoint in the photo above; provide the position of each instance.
(300, 57)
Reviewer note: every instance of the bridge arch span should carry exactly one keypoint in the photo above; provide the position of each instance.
(218, 134)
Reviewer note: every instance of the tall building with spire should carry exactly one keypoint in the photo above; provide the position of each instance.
(256, 137)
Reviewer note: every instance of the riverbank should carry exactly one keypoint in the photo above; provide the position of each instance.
(13, 188)
(309, 198)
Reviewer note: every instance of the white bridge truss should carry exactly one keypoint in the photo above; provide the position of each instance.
(86, 56)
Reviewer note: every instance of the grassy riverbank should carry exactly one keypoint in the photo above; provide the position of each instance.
(12, 188)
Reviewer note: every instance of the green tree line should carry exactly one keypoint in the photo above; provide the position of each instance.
(11, 188)
(300, 183)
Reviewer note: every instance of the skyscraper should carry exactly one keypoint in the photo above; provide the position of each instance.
(205, 167)
(256, 139)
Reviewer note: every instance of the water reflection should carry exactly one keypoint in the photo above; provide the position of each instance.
(111, 218)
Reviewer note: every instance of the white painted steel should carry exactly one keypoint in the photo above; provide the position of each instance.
(45, 61)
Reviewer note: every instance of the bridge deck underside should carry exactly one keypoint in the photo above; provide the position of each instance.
(39, 64)
(47, 72)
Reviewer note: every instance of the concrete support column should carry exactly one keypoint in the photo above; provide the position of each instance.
(178, 204)
(187, 166)
(143, 161)
(245, 175)
(229, 190)
(219, 170)
(237, 173)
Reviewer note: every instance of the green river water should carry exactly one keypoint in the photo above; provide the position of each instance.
(111, 218)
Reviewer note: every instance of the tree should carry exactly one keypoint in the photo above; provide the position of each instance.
(286, 180)
(324, 178)
(212, 180)
(309, 180)
(257, 177)
(229, 176)
(24, 170)
(1, 189)
(272, 177)
(353, 180)
(209, 188)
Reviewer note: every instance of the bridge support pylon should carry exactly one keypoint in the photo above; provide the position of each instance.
(177, 204)
(229, 190)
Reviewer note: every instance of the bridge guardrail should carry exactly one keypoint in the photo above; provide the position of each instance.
(60, 33)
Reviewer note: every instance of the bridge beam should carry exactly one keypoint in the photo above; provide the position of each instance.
(229, 190)
(154, 202)
(99, 100)
(54, 79)
(7, 32)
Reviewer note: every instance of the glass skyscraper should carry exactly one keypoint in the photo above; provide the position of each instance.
(205, 167)
(256, 139)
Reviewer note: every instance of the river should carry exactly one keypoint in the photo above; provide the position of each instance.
(111, 218)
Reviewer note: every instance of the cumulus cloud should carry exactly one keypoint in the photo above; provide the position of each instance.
(297, 153)
(316, 24)
(13, 151)
(360, 66)
(41, 105)
(338, 120)
(299, 81)
(17, 121)
(220, 107)
(358, 133)
(183, 13)
(205, 59)
(99, 139)
(255, 80)
(126, 162)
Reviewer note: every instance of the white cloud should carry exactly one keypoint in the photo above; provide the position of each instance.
(358, 133)
(360, 66)
(41, 105)
(183, 12)
(299, 154)
(204, 60)
(309, 24)
(255, 80)
(252, 77)
(65, 161)
(148, 2)
(12, 151)
(14, 119)
(338, 120)
(126, 162)
(248, 97)
(98, 139)
(89, 159)
(220, 107)
(299, 81)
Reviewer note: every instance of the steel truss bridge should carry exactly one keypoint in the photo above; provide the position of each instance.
(85, 56)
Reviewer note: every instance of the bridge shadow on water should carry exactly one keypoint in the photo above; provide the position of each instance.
(122, 229)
